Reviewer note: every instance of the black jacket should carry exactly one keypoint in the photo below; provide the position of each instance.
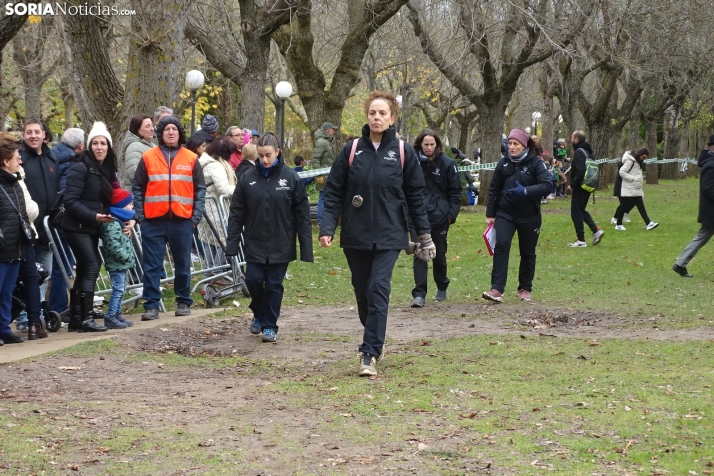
(532, 173)
(141, 180)
(391, 196)
(243, 167)
(83, 196)
(12, 246)
(270, 211)
(706, 188)
(577, 168)
(42, 179)
(443, 190)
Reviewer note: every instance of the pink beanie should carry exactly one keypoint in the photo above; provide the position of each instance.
(520, 136)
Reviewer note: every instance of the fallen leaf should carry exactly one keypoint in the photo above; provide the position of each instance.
(69, 368)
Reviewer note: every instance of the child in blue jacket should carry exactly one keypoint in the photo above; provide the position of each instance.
(118, 254)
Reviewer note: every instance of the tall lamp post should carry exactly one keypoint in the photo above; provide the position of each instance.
(194, 82)
(283, 89)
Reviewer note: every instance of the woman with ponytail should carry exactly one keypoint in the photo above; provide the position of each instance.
(271, 205)
(519, 182)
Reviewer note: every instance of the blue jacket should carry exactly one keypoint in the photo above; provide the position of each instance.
(63, 153)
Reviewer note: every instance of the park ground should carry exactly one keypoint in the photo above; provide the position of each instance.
(609, 371)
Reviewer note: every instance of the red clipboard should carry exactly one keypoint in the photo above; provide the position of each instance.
(489, 237)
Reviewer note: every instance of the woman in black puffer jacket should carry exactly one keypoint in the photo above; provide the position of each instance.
(13, 240)
(86, 202)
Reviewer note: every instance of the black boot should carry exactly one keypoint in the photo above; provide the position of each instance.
(86, 304)
(75, 313)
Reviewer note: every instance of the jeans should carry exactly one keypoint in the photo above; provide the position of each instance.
(86, 251)
(118, 279)
(155, 234)
(577, 212)
(421, 268)
(372, 282)
(265, 284)
(8, 277)
(31, 282)
(702, 238)
(320, 206)
(528, 233)
(58, 301)
(627, 204)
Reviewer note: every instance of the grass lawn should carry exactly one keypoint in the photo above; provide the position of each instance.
(471, 404)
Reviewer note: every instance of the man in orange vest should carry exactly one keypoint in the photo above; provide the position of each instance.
(169, 197)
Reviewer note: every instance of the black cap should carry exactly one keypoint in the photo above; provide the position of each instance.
(711, 140)
(165, 121)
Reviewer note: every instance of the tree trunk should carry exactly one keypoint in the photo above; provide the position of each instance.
(634, 133)
(652, 174)
(9, 26)
(491, 129)
(546, 138)
(154, 76)
(599, 133)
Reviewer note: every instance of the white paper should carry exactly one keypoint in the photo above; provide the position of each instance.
(489, 237)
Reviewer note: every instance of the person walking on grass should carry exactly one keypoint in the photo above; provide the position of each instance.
(443, 201)
(580, 196)
(631, 193)
(375, 185)
(520, 180)
(271, 208)
(706, 210)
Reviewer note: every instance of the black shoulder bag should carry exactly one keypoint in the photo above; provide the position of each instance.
(26, 228)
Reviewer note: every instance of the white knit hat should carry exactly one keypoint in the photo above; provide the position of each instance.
(99, 129)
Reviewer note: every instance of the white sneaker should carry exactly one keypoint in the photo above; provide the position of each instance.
(543, 201)
(577, 244)
(620, 228)
(652, 225)
(613, 221)
(597, 237)
(626, 218)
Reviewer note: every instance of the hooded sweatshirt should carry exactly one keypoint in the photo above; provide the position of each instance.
(577, 171)
(706, 188)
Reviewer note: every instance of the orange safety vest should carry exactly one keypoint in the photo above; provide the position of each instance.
(169, 190)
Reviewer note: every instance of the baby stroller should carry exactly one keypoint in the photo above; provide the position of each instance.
(210, 293)
(51, 320)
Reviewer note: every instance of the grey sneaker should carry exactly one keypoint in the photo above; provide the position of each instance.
(441, 295)
(418, 302)
(183, 309)
(150, 315)
(255, 327)
(597, 236)
(367, 365)
(269, 335)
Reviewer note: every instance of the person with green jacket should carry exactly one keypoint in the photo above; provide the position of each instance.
(135, 143)
(118, 254)
(323, 155)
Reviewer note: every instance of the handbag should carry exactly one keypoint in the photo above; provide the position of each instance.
(26, 228)
(57, 210)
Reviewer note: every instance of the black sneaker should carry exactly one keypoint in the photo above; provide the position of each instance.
(183, 309)
(681, 270)
(150, 315)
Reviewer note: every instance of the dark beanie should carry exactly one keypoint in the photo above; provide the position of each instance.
(210, 124)
(165, 121)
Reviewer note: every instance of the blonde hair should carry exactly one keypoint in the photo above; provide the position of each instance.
(389, 98)
(250, 152)
(8, 145)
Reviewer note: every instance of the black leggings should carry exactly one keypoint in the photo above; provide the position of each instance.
(86, 254)
(627, 204)
(528, 233)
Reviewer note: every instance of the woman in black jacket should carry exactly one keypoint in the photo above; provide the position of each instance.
(443, 201)
(14, 234)
(519, 182)
(86, 202)
(376, 185)
(271, 204)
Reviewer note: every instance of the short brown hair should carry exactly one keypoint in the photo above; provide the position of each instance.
(389, 98)
(8, 145)
(29, 122)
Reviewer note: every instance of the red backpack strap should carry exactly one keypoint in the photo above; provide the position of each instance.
(352, 152)
(401, 152)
